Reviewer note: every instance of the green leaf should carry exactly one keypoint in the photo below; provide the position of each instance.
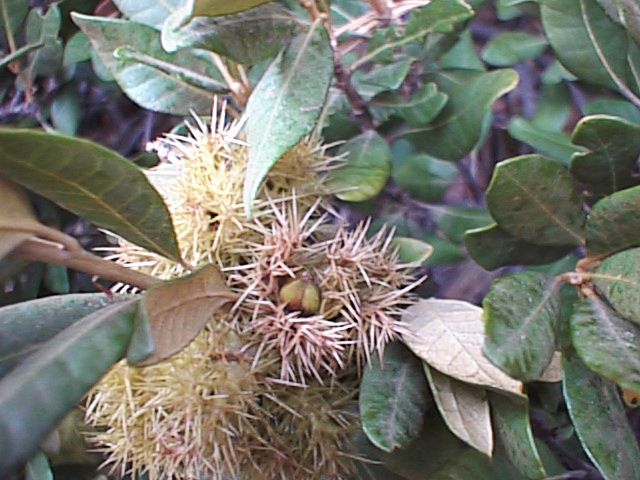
(455, 220)
(54, 379)
(91, 181)
(285, 104)
(424, 177)
(367, 168)
(176, 83)
(56, 279)
(613, 107)
(38, 468)
(606, 342)
(464, 408)
(381, 78)
(26, 326)
(613, 147)
(437, 16)
(12, 13)
(511, 420)
(393, 398)
(613, 223)
(76, 49)
(554, 107)
(521, 315)
(535, 199)
(462, 55)
(588, 43)
(600, 421)
(556, 145)
(457, 130)
(213, 8)
(248, 37)
(509, 48)
(492, 247)
(44, 30)
(618, 279)
(149, 12)
(66, 111)
(422, 107)
(412, 250)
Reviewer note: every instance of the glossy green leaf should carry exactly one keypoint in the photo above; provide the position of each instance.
(248, 37)
(600, 421)
(613, 107)
(618, 279)
(149, 12)
(422, 107)
(213, 8)
(511, 420)
(588, 43)
(393, 398)
(91, 181)
(606, 342)
(176, 83)
(380, 79)
(367, 168)
(535, 199)
(509, 48)
(492, 247)
(464, 408)
(15, 11)
(424, 177)
(521, 315)
(457, 130)
(556, 145)
(412, 250)
(54, 379)
(285, 104)
(26, 326)
(613, 147)
(455, 220)
(613, 223)
(462, 55)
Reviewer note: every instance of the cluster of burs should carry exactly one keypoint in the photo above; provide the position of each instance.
(269, 389)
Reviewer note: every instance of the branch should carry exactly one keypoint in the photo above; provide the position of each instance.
(37, 250)
(358, 104)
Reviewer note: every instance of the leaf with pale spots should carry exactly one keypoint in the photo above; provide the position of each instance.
(448, 335)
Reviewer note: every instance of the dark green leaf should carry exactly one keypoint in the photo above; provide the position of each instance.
(613, 107)
(91, 181)
(554, 107)
(600, 421)
(455, 220)
(613, 146)
(521, 314)
(381, 78)
(76, 49)
(508, 48)
(393, 399)
(44, 29)
(457, 130)
(556, 145)
(38, 468)
(512, 424)
(26, 326)
(492, 247)
(54, 380)
(607, 343)
(613, 223)
(423, 106)
(66, 111)
(462, 55)
(367, 168)
(213, 8)
(588, 43)
(412, 250)
(424, 177)
(148, 12)
(56, 279)
(535, 199)
(248, 37)
(176, 83)
(285, 104)
(618, 279)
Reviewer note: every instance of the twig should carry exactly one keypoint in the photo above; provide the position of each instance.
(37, 250)
(358, 104)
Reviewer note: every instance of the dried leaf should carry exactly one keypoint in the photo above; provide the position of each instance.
(178, 310)
(448, 335)
(464, 408)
